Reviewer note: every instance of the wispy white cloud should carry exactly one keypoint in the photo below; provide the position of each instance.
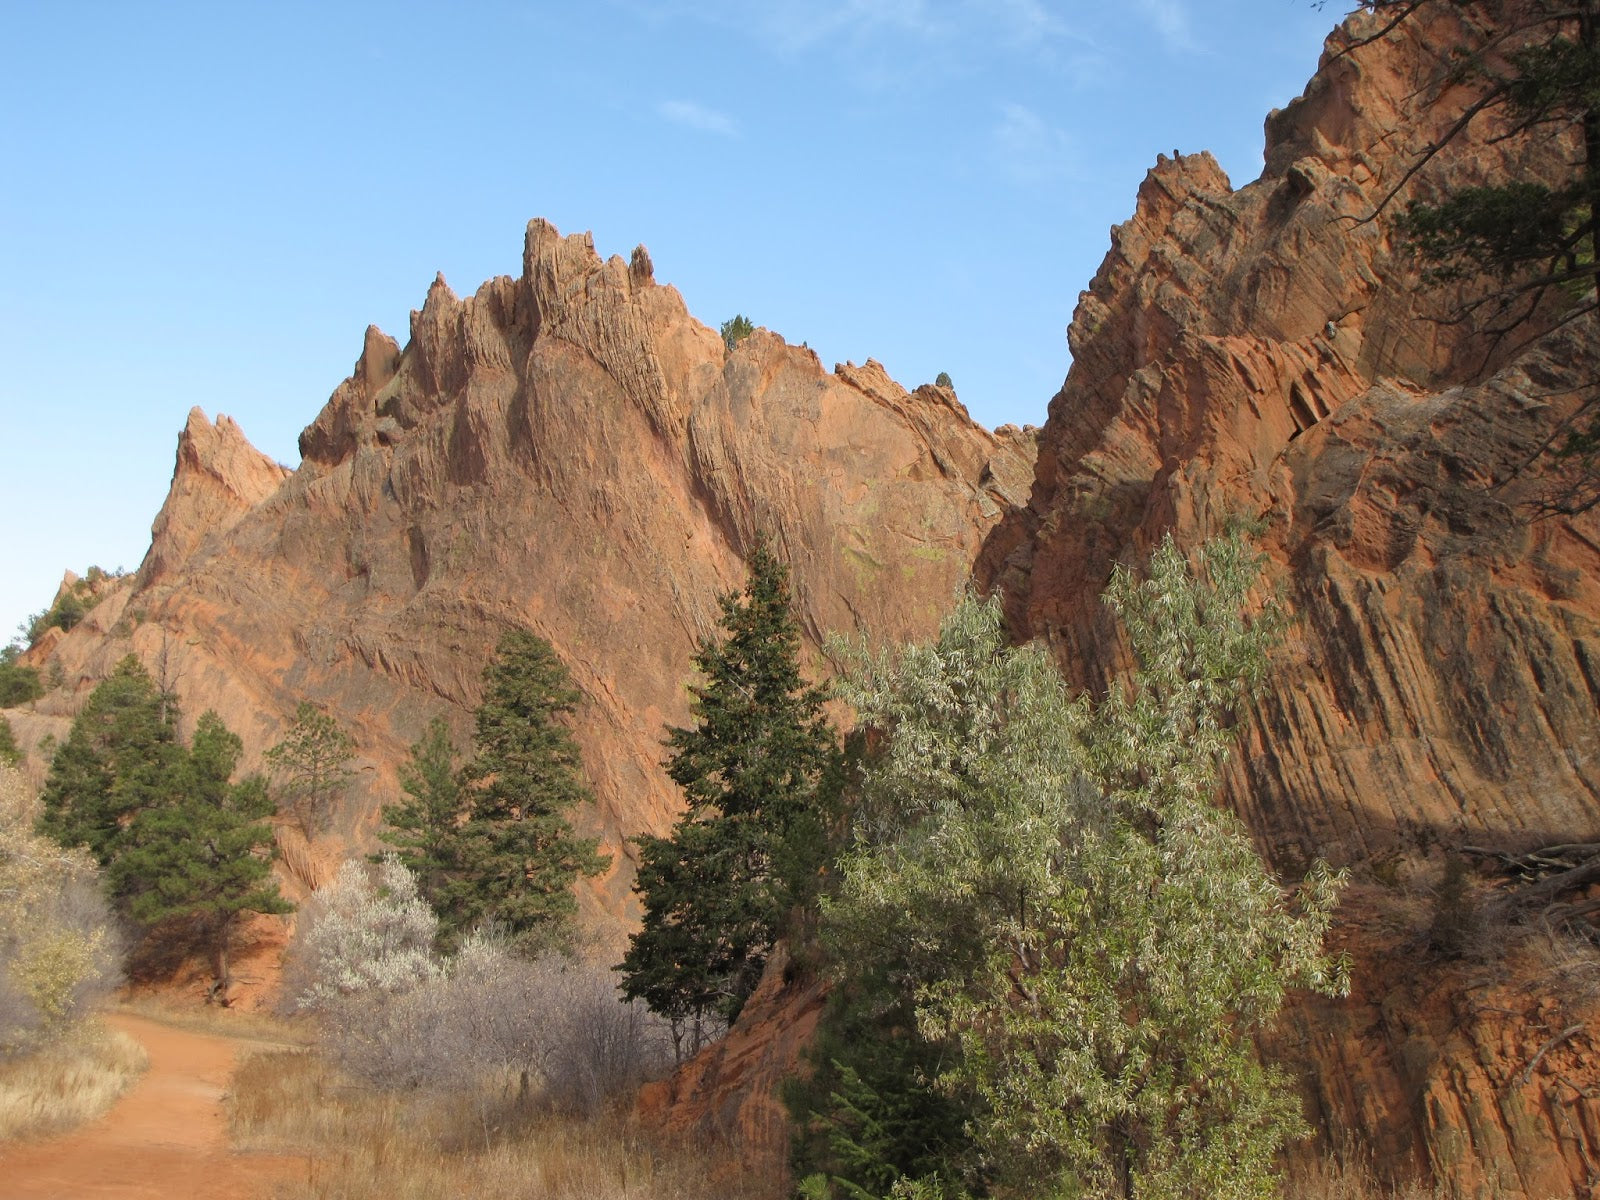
(1172, 23)
(697, 116)
(797, 25)
(881, 40)
(1028, 147)
(1020, 22)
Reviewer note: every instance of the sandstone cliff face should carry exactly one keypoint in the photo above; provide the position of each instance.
(1269, 354)
(568, 451)
(1266, 353)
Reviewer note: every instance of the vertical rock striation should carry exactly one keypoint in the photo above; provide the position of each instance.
(1270, 354)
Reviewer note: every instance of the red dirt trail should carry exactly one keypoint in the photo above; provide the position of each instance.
(166, 1137)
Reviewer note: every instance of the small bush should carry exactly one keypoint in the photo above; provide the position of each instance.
(59, 953)
(366, 932)
(735, 329)
(551, 1029)
(942, 379)
(18, 684)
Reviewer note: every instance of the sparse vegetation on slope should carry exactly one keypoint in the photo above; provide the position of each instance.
(18, 684)
(70, 606)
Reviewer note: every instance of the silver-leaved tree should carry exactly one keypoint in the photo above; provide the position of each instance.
(1057, 907)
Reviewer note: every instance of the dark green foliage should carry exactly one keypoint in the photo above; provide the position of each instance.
(313, 760)
(1495, 229)
(1543, 79)
(515, 856)
(869, 1113)
(204, 857)
(942, 379)
(180, 843)
(121, 757)
(735, 329)
(18, 684)
(423, 826)
(9, 752)
(760, 774)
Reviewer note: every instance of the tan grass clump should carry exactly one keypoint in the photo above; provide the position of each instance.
(68, 1082)
(249, 1025)
(1349, 1177)
(369, 1144)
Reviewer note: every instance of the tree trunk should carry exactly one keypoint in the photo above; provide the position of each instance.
(219, 966)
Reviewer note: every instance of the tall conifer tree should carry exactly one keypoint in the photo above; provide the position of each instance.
(120, 758)
(202, 859)
(183, 846)
(423, 827)
(515, 857)
(758, 772)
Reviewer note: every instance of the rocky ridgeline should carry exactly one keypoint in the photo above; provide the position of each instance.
(569, 450)
(1270, 354)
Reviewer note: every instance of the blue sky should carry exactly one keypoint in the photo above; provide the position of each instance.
(207, 204)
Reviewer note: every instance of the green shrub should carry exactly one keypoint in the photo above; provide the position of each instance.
(942, 379)
(18, 684)
(736, 329)
(70, 606)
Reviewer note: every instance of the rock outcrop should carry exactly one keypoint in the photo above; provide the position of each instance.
(568, 451)
(1269, 354)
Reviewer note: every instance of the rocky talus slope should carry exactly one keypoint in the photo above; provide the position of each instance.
(568, 451)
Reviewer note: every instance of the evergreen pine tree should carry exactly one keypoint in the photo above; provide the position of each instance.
(201, 858)
(121, 757)
(181, 845)
(757, 770)
(516, 857)
(423, 827)
(313, 760)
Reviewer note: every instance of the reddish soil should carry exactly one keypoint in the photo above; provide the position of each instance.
(166, 1137)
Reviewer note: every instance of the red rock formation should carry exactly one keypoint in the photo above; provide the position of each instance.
(728, 1093)
(1267, 353)
(572, 452)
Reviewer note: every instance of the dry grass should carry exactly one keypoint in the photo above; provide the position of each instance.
(220, 1022)
(68, 1083)
(1350, 1178)
(365, 1144)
